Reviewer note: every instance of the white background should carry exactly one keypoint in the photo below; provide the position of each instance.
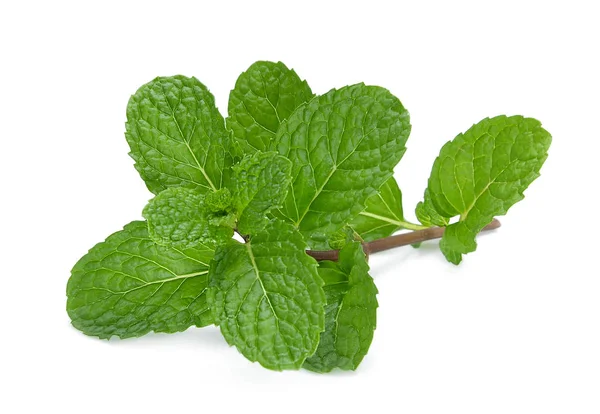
(514, 329)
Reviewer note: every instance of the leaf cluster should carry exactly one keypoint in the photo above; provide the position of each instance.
(289, 172)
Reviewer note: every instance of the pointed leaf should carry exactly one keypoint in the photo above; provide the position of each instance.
(343, 146)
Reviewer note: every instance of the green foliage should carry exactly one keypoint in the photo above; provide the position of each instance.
(289, 171)
(267, 297)
(343, 146)
(350, 314)
(178, 217)
(177, 135)
(481, 174)
(383, 214)
(260, 183)
(128, 286)
(264, 96)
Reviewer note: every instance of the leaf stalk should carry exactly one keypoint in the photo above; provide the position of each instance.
(391, 242)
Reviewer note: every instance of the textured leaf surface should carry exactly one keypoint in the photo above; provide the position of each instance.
(341, 238)
(343, 146)
(128, 286)
(481, 174)
(176, 135)
(264, 96)
(178, 217)
(383, 215)
(267, 297)
(350, 314)
(260, 183)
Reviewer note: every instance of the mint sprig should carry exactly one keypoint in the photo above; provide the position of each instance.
(306, 181)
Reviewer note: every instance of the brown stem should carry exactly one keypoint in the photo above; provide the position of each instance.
(394, 241)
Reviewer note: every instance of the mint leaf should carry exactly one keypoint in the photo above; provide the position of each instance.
(128, 286)
(341, 238)
(267, 297)
(481, 174)
(260, 183)
(178, 217)
(383, 215)
(176, 135)
(350, 314)
(264, 96)
(343, 146)
(427, 214)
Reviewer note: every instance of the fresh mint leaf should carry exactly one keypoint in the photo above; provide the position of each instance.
(341, 238)
(427, 214)
(343, 146)
(128, 286)
(260, 183)
(178, 217)
(267, 297)
(481, 174)
(350, 313)
(176, 135)
(264, 96)
(383, 215)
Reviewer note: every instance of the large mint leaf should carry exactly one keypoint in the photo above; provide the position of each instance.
(178, 217)
(343, 146)
(383, 215)
(176, 135)
(481, 174)
(260, 183)
(128, 286)
(267, 297)
(264, 96)
(350, 314)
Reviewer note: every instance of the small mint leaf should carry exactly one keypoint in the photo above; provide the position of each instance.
(260, 183)
(383, 215)
(219, 201)
(341, 238)
(427, 214)
(178, 217)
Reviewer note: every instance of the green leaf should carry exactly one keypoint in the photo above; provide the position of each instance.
(128, 286)
(260, 183)
(176, 135)
(264, 96)
(341, 238)
(427, 214)
(481, 174)
(383, 215)
(343, 146)
(178, 217)
(267, 297)
(350, 314)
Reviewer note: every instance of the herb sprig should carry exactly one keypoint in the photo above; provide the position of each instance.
(307, 181)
